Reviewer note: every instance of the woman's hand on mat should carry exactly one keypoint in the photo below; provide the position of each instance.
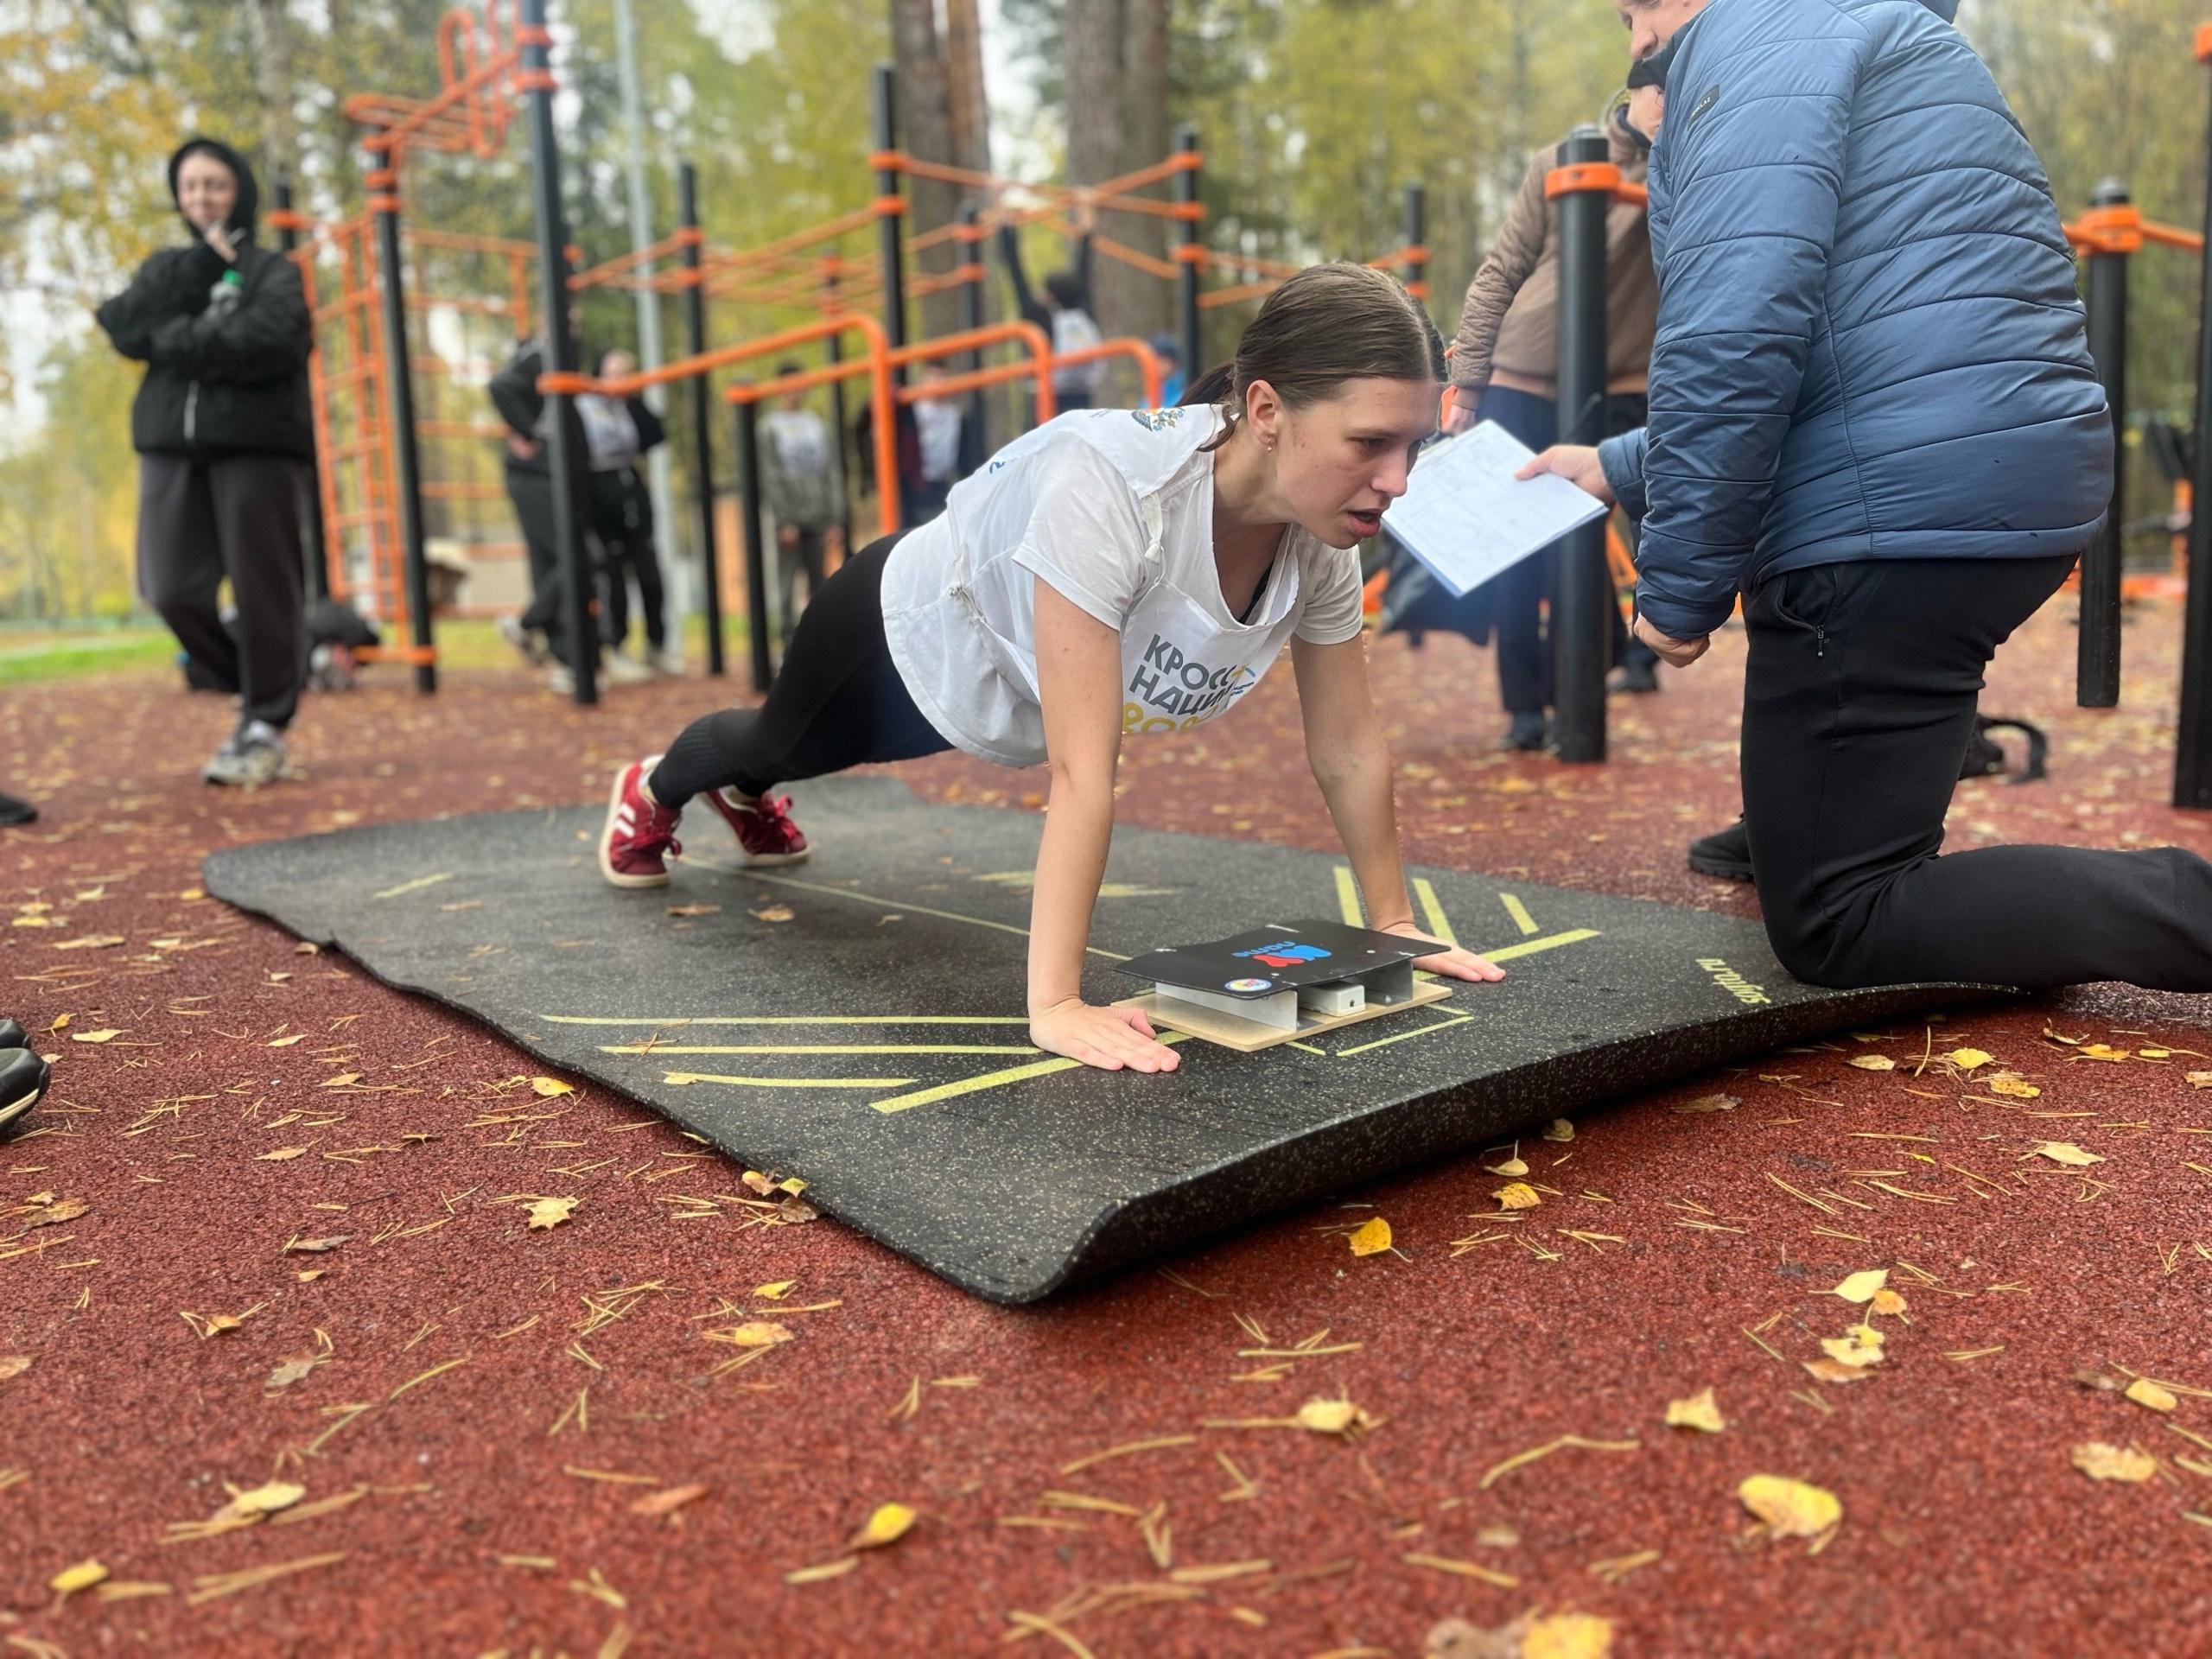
(1577, 464)
(1675, 653)
(1113, 1039)
(1450, 961)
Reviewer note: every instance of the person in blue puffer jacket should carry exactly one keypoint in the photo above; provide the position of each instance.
(1873, 414)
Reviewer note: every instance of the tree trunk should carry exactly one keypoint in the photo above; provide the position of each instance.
(925, 128)
(1144, 301)
(1116, 65)
(280, 137)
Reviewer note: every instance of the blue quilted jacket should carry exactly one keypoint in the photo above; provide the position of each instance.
(1870, 346)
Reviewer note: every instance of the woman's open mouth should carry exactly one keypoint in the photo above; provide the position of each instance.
(1367, 523)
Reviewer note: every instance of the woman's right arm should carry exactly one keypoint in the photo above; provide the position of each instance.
(164, 289)
(1513, 255)
(1079, 686)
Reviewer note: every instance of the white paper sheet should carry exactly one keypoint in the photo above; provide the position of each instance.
(1466, 518)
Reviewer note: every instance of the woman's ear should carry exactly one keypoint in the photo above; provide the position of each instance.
(1263, 413)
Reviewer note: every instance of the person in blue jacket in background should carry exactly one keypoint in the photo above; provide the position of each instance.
(1873, 414)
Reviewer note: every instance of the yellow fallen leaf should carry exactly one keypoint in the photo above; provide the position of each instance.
(2065, 1152)
(2155, 1053)
(2102, 1052)
(341, 1080)
(550, 1213)
(1331, 1416)
(550, 1087)
(1873, 1063)
(777, 1292)
(1700, 1412)
(1888, 1301)
(2144, 1392)
(2099, 1461)
(826, 1570)
(286, 1042)
(775, 913)
(1516, 1195)
(1710, 1104)
(264, 1499)
(61, 1022)
(70, 1580)
(2012, 1087)
(14, 1366)
(1970, 1059)
(1372, 1238)
(1510, 1167)
(890, 1523)
(758, 1333)
(282, 1154)
(1791, 1508)
(1568, 1636)
(1861, 1287)
(1561, 1130)
(102, 1036)
(2197, 1079)
(1832, 1370)
(1862, 1347)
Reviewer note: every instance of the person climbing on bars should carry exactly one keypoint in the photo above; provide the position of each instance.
(1114, 573)
(1874, 415)
(1064, 313)
(224, 435)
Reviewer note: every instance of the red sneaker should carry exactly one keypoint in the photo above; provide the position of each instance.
(764, 829)
(640, 836)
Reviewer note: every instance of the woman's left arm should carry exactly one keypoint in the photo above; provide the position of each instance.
(1352, 763)
(266, 338)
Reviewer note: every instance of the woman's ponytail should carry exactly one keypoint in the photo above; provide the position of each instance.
(1211, 387)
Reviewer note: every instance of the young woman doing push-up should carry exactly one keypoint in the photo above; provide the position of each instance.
(1114, 573)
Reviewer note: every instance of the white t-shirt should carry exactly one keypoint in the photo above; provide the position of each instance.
(1113, 508)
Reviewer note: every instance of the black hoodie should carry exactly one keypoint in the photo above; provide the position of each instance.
(225, 344)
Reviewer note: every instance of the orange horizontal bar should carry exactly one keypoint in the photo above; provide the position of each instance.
(1578, 176)
(421, 656)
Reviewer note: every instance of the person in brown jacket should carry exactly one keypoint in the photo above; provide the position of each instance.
(1504, 365)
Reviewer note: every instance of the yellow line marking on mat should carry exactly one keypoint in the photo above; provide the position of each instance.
(1440, 925)
(820, 1048)
(1530, 947)
(990, 1080)
(1518, 911)
(1404, 1036)
(670, 1020)
(789, 1083)
(416, 885)
(872, 898)
(1347, 896)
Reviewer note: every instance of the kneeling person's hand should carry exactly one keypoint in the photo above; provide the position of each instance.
(1113, 1039)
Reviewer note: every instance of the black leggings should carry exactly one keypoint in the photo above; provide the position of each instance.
(837, 701)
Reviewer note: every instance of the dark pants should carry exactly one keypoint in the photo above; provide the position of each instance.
(622, 516)
(532, 495)
(235, 516)
(1517, 594)
(837, 701)
(1859, 700)
(806, 555)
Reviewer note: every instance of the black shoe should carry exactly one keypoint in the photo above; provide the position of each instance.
(23, 1078)
(1527, 733)
(14, 812)
(12, 1035)
(1726, 854)
(1636, 678)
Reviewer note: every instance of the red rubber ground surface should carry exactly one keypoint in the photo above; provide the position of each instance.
(486, 1519)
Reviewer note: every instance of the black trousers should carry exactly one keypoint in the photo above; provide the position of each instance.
(1859, 700)
(531, 492)
(837, 701)
(622, 517)
(1517, 595)
(807, 556)
(201, 520)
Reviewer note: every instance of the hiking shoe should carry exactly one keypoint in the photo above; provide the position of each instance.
(764, 829)
(561, 680)
(1726, 854)
(14, 812)
(253, 756)
(23, 1078)
(622, 669)
(12, 1034)
(1637, 679)
(1528, 733)
(668, 659)
(640, 836)
(529, 644)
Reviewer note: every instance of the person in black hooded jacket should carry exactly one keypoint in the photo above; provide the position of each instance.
(224, 435)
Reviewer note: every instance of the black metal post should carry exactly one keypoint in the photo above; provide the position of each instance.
(756, 541)
(1186, 278)
(2193, 741)
(564, 444)
(2096, 676)
(833, 347)
(314, 549)
(971, 317)
(1416, 236)
(399, 387)
(1582, 599)
(888, 181)
(703, 433)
